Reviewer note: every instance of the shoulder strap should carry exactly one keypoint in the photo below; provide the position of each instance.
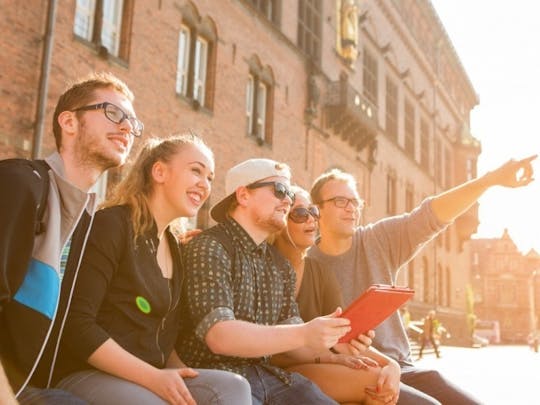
(42, 169)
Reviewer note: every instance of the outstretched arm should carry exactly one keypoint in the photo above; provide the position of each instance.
(450, 204)
(236, 337)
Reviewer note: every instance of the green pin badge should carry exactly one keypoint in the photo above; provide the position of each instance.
(143, 305)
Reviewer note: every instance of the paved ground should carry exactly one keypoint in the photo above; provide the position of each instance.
(496, 375)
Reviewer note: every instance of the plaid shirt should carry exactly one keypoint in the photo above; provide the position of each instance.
(245, 284)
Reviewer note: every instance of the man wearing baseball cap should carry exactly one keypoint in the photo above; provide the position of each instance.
(240, 293)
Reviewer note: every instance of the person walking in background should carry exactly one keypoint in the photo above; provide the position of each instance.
(363, 255)
(429, 329)
(45, 223)
(240, 292)
(351, 372)
(124, 320)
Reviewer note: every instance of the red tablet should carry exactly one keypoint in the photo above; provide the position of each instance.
(376, 304)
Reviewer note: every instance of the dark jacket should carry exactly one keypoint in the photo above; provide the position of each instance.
(121, 294)
(33, 299)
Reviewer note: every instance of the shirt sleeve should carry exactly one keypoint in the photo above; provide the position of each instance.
(208, 293)
(17, 220)
(102, 256)
(398, 238)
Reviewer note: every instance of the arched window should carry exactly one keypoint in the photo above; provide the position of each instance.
(197, 39)
(259, 101)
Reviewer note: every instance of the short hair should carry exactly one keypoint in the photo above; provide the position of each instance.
(333, 174)
(81, 92)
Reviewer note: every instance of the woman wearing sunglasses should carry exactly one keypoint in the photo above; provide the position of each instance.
(349, 373)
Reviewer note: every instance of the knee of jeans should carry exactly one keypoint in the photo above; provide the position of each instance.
(433, 375)
(239, 383)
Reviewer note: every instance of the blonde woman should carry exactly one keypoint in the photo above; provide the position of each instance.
(119, 340)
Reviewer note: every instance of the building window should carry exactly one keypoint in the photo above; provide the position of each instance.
(183, 60)
(199, 69)
(196, 53)
(270, 9)
(106, 23)
(425, 275)
(424, 145)
(438, 162)
(409, 198)
(409, 129)
(391, 194)
(447, 168)
(391, 110)
(440, 285)
(370, 77)
(470, 169)
(259, 90)
(309, 28)
(448, 240)
(410, 274)
(448, 287)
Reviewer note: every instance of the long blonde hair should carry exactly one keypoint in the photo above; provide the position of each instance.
(134, 190)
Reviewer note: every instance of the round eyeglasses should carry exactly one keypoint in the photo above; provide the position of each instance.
(300, 215)
(116, 115)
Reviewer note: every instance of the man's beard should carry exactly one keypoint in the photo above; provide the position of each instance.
(272, 223)
(90, 153)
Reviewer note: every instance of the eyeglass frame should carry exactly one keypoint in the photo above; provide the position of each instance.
(312, 210)
(359, 205)
(134, 121)
(286, 190)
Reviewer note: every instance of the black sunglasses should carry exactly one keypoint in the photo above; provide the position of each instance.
(116, 115)
(280, 190)
(300, 215)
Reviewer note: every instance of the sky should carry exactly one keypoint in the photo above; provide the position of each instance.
(498, 44)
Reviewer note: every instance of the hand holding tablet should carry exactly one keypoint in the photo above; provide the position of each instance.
(376, 304)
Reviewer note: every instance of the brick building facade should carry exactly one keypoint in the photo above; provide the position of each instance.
(506, 285)
(373, 87)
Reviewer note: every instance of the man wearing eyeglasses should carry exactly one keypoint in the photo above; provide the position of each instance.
(240, 299)
(94, 126)
(364, 255)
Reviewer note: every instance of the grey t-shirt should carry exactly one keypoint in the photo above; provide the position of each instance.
(378, 251)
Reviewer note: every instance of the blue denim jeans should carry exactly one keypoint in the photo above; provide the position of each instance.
(38, 396)
(267, 389)
(210, 387)
(429, 387)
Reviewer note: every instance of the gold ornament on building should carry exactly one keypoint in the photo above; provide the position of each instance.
(347, 30)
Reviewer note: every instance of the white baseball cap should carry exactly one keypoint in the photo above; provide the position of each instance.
(243, 174)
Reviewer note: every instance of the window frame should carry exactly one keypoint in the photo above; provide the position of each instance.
(370, 76)
(99, 26)
(309, 29)
(200, 70)
(183, 60)
(391, 112)
(409, 127)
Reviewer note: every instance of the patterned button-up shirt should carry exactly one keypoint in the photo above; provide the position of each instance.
(244, 284)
